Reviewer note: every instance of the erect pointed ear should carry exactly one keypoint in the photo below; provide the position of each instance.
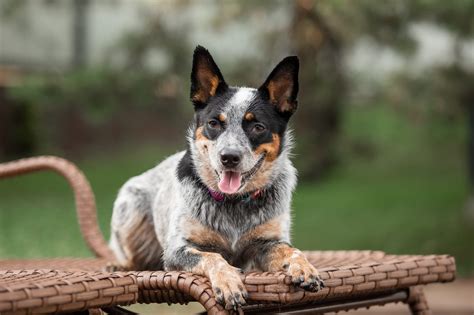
(281, 86)
(206, 78)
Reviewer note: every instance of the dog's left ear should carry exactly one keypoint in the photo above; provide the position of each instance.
(206, 78)
(281, 86)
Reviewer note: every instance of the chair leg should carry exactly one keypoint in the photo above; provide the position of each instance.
(417, 302)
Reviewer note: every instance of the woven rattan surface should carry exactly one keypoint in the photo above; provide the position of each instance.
(48, 291)
(347, 274)
(83, 264)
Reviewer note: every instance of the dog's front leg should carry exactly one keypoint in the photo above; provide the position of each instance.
(225, 279)
(277, 255)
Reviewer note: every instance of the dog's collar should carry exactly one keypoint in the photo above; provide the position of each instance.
(218, 196)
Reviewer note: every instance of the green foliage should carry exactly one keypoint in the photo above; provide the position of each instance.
(388, 22)
(96, 91)
(456, 17)
(441, 89)
(441, 93)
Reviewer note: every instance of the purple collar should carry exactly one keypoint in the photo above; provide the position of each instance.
(218, 196)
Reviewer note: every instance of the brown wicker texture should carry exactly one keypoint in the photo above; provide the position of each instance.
(346, 274)
(50, 291)
(417, 301)
(84, 197)
(71, 264)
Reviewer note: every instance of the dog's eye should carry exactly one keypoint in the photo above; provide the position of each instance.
(214, 124)
(258, 128)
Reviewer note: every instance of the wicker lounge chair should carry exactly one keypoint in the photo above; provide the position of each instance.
(353, 279)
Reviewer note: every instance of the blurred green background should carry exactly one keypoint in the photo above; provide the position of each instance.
(384, 130)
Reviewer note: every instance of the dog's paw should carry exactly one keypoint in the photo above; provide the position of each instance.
(229, 289)
(304, 274)
(114, 267)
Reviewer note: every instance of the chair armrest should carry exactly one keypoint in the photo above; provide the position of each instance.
(83, 195)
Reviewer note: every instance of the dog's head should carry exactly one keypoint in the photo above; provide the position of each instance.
(239, 134)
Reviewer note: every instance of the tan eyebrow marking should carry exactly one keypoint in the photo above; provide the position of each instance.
(222, 117)
(249, 116)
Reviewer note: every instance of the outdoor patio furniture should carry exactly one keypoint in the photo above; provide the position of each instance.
(353, 279)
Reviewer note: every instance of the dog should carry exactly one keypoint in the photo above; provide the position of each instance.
(222, 206)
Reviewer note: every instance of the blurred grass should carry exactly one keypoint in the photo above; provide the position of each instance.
(407, 198)
(405, 194)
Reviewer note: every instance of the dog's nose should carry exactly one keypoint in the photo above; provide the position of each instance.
(230, 158)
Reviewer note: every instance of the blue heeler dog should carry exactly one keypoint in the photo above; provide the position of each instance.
(223, 205)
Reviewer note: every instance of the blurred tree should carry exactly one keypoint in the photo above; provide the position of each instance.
(80, 9)
(73, 107)
(323, 82)
(16, 117)
(20, 117)
(326, 31)
(16, 127)
(390, 24)
(444, 90)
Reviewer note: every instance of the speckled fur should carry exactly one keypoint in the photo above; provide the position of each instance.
(166, 218)
(170, 203)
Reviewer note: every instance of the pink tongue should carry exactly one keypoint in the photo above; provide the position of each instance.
(230, 182)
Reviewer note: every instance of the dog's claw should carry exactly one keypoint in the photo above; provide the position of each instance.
(305, 276)
(230, 292)
(219, 295)
(297, 279)
(313, 284)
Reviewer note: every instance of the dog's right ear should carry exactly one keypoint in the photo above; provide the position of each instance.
(206, 78)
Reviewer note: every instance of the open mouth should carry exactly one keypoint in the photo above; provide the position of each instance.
(230, 181)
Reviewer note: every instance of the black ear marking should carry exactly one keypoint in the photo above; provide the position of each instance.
(206, 78)
(281, 86)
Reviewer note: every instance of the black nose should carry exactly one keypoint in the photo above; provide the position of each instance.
(230, 158)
